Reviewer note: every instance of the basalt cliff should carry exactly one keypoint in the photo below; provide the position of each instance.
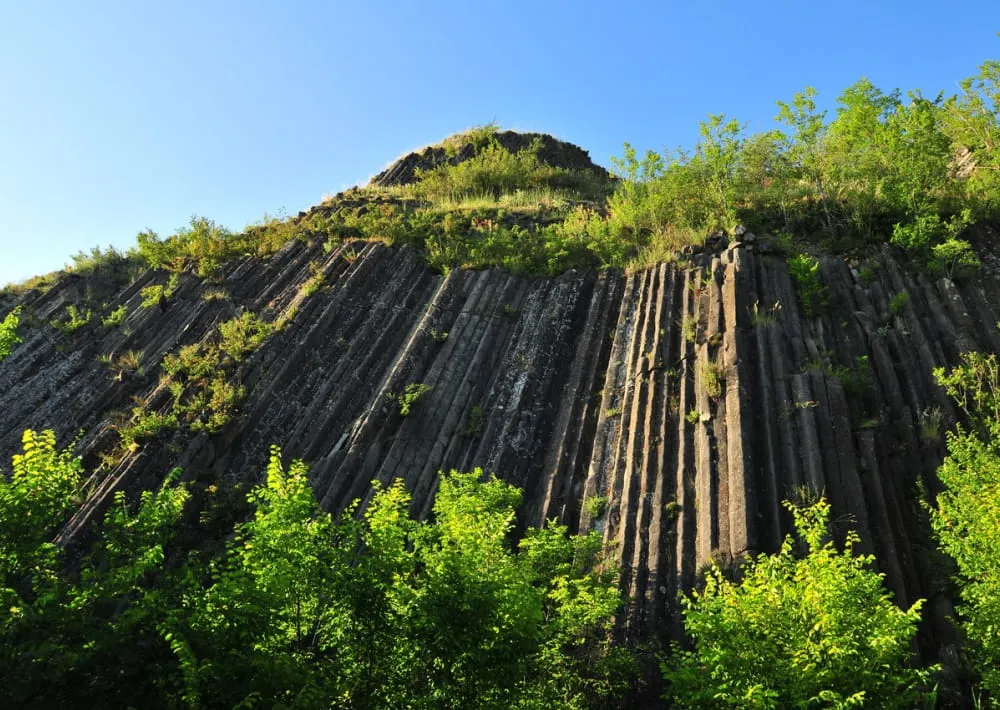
(689, 399)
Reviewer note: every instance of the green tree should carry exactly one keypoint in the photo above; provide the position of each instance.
(718, 153)
(817, 630)
(806, 151)
(966, 515)
(858, 160)
(90, 638)
(972, 120)
(381, 611)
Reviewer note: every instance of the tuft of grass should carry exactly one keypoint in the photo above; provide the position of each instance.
(930, 424)
(765, 316)
(712, 377)
(214, 294)
(129, 362)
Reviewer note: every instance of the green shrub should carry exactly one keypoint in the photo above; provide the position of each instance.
(145, 425)
(898, 304)
(158, 294)
(493, 171)
(74, 320)
(856, 378)
(965, 514)
(689, 327)
(115, 318)
(411, 393)
(953, 258)
(243, 335)
(811, 292)
(595, 506)
(820, 630)
(9, 339)
(712, 378)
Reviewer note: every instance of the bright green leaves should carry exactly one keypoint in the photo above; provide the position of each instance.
(811, 292)
(9, 338)
(79, 639)
(383, 611)
(966, 517)
(34, 500)
(816, 630)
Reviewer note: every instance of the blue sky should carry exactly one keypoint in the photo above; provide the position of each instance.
(121, 116)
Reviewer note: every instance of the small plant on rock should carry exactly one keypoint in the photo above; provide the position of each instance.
(8, 333)
(115, 317)
(712, 377)
(898, 304)
(75, 319)
(411, 393)
(689, 326)
(595, 506)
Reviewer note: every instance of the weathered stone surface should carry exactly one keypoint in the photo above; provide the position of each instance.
(552, 152)
(572, 387)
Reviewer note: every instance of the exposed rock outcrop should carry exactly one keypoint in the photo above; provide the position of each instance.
(551, 151)
(693, 396)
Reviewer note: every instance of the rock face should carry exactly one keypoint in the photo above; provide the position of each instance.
(556, 153)
(692, 397)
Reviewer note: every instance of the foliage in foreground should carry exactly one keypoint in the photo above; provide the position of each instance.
(301, 610)
(817, 630)
(966, 517)
(9, 338)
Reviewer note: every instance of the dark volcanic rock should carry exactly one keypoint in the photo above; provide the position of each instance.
(695, 396)
(552, 152)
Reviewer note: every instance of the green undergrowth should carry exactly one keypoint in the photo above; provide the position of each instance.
(297, 607)
(202, 381)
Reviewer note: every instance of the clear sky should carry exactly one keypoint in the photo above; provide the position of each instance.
(121, 116)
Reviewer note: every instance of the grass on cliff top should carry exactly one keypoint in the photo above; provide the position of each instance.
(883, 170)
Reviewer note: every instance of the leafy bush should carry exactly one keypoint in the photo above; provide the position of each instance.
(302, 609)
(115, 318)
(145, 425)
(158, 294)
(74, 320)
(90, 639)
(411, 393)
(798, 631)
(811, 292)
(387, 612)
(953, 258)
(966, 516)
(203, 246)
(898, 304)
(243, 335)
(712, 378)
(9, 338)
